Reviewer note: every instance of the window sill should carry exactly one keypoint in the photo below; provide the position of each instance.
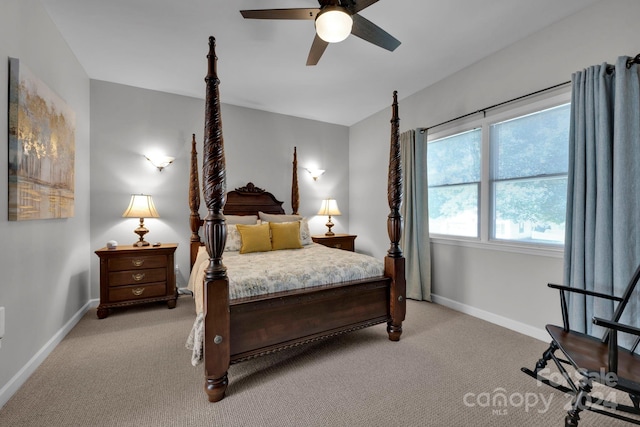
(512, 247)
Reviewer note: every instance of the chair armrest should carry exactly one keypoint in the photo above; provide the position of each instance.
(612, 337)
(617, 326)
(584, 292)
(563, 300)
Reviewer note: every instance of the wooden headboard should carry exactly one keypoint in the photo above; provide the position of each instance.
(249, 200)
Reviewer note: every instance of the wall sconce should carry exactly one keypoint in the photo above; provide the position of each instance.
(160, 161)
(141, 206)
(315, 173)
(328, 208)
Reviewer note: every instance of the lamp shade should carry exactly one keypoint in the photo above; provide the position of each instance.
(333, 24)
(141, 206)
(329, 207)
(315, 173)
(160, 161)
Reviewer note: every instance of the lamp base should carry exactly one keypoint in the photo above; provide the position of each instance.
(141, 231)
(329, 224)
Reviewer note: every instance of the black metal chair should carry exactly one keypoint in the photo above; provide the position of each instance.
(594, 359)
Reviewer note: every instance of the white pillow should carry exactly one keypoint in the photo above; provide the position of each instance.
(233, 242)
(278, 217)
(241, 219)
(305, 234)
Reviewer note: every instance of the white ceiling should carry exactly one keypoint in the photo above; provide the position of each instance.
(162, 45)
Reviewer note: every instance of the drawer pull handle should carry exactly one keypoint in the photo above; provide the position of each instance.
(138, 276)
(137, 262)
(137, 291)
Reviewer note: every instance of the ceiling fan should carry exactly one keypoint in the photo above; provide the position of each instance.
(334, 21)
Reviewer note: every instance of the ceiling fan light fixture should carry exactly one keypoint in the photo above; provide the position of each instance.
(333, 24)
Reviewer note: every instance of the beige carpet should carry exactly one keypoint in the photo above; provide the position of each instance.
(131, 369)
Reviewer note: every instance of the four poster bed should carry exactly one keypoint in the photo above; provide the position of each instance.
(238, 326)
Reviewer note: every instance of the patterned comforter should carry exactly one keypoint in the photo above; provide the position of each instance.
(262, 273)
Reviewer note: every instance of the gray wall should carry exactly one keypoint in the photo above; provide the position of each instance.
(505, 287)
(127, 122)
(45, 263)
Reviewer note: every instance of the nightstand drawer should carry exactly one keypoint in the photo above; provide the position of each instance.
(338, 241)
(343, 244)
(133, 277)
(136, 275)
(133, 292)
(135, 262)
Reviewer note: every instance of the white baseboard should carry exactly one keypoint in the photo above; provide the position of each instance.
(29, 368)
(514, 325)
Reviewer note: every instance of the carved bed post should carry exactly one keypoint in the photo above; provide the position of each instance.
(216, 283)
(394, 261)
(194, 202)
(295, 194)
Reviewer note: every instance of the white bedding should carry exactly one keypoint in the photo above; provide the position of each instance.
(261, 273)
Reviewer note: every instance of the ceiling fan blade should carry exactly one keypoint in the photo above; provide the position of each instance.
(370, 32)
(308, 13)
(361, 4)
(317, 49)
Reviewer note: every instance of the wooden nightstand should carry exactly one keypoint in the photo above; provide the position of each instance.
(339, 241)
(136, 275)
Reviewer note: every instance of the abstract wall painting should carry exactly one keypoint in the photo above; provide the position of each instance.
(41, 149)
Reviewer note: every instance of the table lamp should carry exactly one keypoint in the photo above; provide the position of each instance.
(141, 206)
(329, 207)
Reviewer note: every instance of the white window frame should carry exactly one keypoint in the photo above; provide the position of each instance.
(479, 183)
(483, 120)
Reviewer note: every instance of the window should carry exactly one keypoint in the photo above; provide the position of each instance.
(529, 158)
(502, 178)
(453, 174)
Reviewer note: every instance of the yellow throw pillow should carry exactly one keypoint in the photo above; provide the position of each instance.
(255, 238)
(285, 235)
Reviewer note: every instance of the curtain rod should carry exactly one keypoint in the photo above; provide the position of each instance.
(484, 110)
(630, 62)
